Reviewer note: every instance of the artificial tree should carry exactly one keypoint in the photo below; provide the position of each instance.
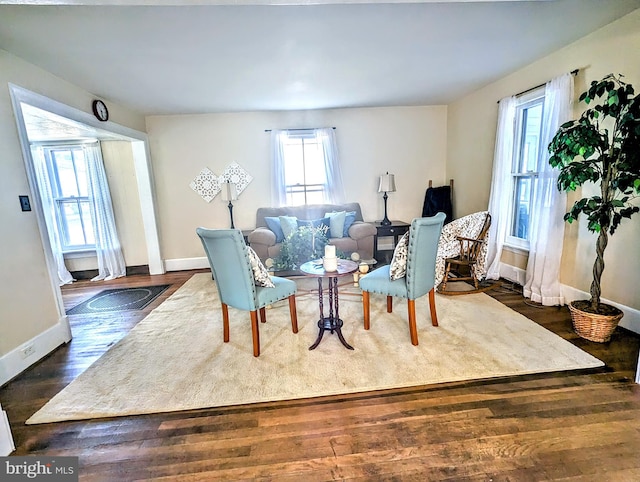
(601, 147)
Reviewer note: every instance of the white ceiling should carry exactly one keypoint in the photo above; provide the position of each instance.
(204, 57)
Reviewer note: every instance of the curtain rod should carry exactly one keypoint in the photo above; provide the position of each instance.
(573, 72)
(307, 129)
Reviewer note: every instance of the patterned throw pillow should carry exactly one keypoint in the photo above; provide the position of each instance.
(398, 267)
(260, 274)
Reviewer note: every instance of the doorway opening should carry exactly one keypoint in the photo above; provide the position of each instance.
(40, 119)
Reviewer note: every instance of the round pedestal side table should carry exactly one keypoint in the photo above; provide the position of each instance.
(331, 323)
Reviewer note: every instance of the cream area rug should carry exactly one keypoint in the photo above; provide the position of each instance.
(175, 358)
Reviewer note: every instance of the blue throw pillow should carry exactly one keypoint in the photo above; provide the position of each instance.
(289, 225)
(315, 223)
(349, 219)
(336, 223)
(273, 223)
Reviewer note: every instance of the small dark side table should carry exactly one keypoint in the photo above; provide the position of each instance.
(396, 230)
(331, 323)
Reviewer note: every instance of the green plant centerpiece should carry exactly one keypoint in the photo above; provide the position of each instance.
(304, 244)
(601, 147)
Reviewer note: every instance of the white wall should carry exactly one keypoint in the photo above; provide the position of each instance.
(471, 139)
(28, 298)
(409, 142)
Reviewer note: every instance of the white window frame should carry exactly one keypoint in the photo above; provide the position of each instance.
(305, 188)
(60, 200)
(524, 102)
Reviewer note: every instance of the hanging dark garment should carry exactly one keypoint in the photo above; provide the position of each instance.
(436, 200)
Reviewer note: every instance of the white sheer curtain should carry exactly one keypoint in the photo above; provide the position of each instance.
(501, 185)
(333, 189)
(111, 262)
(546, 226)
(278, 180)
(48, 209)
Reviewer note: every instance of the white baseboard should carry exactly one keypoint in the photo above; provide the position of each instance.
(182, 264)
(630, 320)
(14, 362)
(517, 275)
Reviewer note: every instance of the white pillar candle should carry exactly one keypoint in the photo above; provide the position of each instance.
(329, 251)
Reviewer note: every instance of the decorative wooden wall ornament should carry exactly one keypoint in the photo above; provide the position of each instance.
(237, 175)
(206, 184)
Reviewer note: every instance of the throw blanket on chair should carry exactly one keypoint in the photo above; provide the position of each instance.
(449, 247)
(438, 200)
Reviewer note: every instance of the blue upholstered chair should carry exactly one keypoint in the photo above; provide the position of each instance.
(420, 276)
(232, 271)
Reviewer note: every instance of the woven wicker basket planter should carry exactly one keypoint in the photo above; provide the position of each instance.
(594, 327)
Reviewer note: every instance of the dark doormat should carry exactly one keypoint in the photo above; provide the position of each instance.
(123, 299)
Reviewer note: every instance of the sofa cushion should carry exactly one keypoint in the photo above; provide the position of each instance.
(349, 219)
(289, 224)
(273, 223)
(336, 223)
(310, 211)
(315, 223)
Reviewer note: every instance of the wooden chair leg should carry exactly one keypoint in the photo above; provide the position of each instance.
(294, 313)
(225, 323)
(389, 304)
(365, 309)
(432, 307)
(413, 330)
(255, 333)
(446, 276)
(263, 315)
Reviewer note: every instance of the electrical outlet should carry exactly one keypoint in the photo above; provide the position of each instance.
(27, 351)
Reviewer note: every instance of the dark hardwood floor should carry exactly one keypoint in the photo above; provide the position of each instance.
(560, 426)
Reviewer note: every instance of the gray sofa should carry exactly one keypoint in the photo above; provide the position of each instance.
(360, 239)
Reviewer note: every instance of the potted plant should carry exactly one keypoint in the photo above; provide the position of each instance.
(602, 147)
(304, 244)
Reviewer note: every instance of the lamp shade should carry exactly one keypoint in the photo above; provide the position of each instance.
(387, 183)
(229, 191)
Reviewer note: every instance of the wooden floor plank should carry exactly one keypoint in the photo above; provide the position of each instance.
(578, 425)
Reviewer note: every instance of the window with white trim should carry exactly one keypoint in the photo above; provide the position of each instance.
(69, 186)
(304, 168)
(528, 124)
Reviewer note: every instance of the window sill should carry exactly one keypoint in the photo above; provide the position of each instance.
(516, 249)
(84, 253)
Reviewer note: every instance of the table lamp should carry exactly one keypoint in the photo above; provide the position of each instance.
(387, 184)
(229, 193)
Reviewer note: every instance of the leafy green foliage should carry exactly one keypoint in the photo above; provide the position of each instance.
(304, 244)
(602, 147)
(586, 151)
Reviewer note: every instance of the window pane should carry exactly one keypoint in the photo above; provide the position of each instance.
(532, 118)
(66, 173)
(314, 163)
(522, 205)
(81, 171)
(77, 226)
(87, 222)
(72, 222)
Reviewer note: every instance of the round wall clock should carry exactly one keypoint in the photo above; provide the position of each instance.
(100, 110)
